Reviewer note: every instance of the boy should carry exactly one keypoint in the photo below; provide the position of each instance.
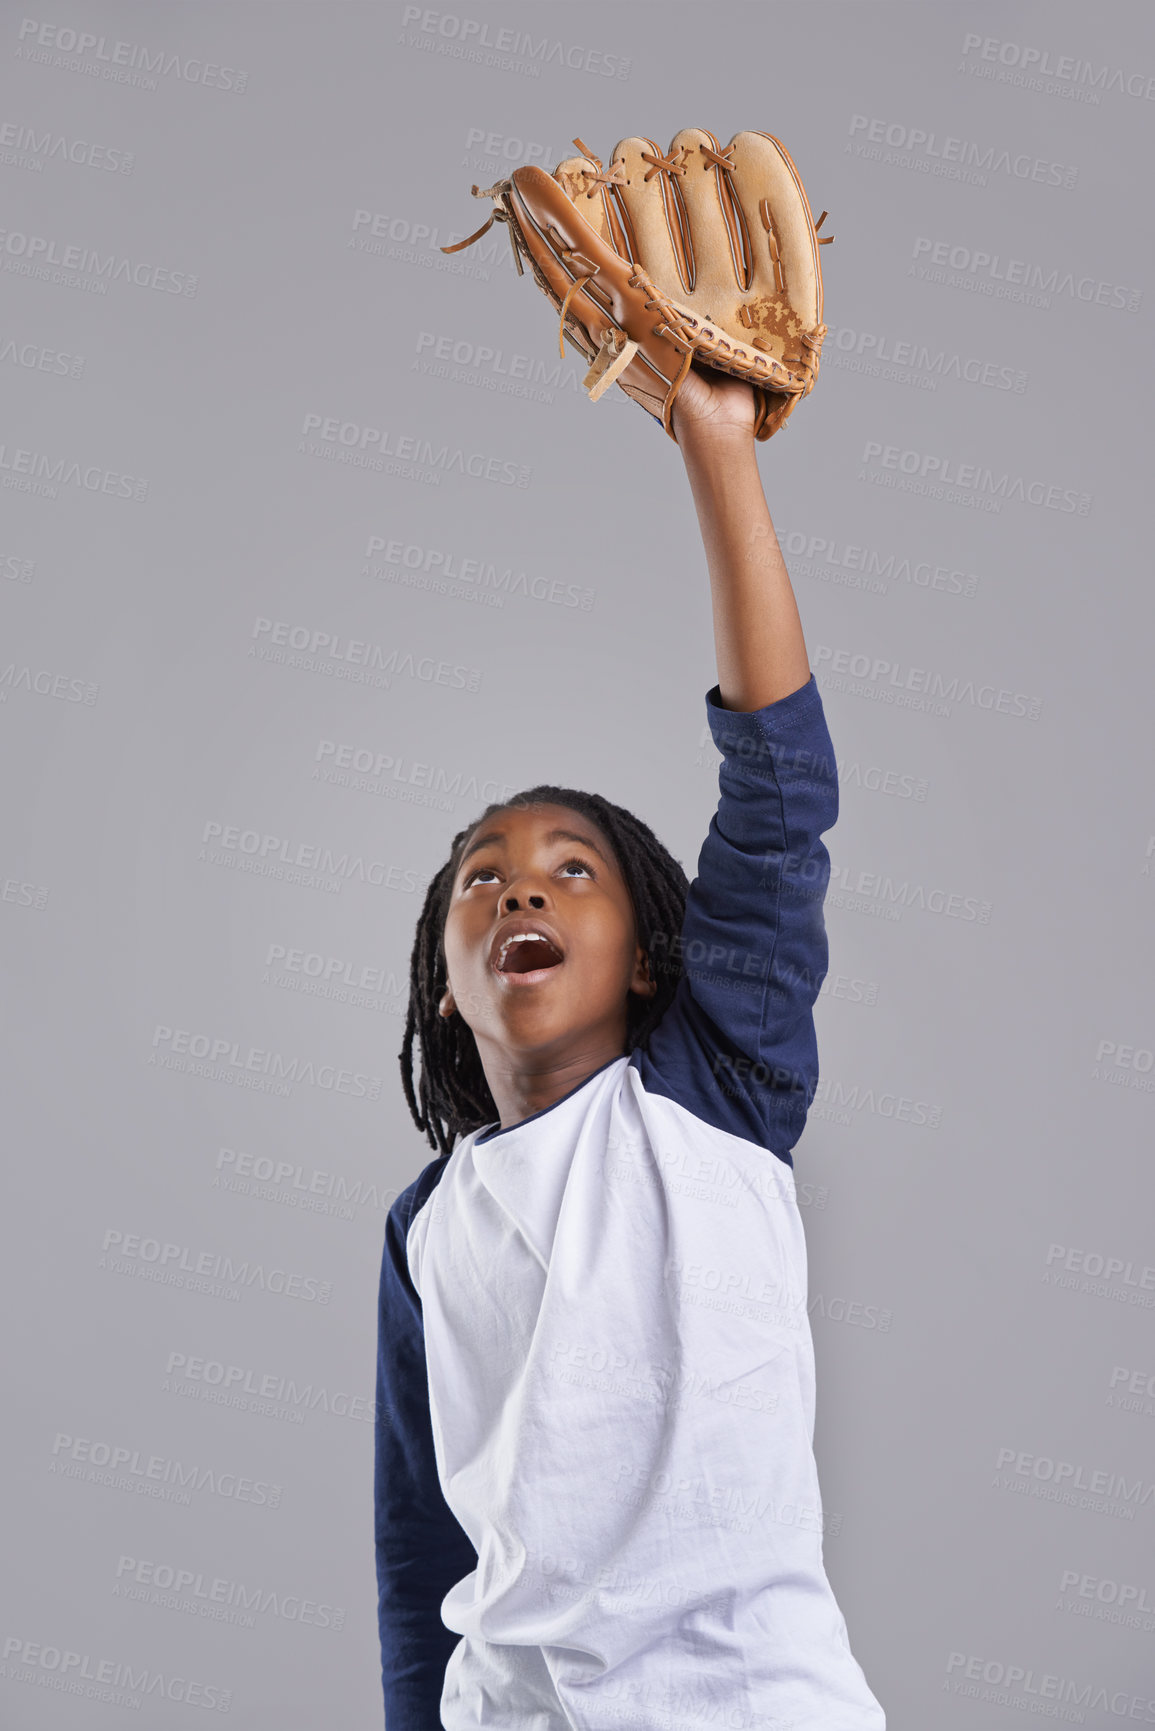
(596, 1496)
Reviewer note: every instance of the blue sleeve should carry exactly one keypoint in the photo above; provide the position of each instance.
(737, 1045)
(422, 1551)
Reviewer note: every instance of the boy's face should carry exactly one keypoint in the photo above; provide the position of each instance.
(518, 872)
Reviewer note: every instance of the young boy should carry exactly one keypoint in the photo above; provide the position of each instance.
(597, 1503)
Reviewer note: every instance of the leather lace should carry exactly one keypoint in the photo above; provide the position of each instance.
(772, 241)
(637, 281)
(585, 269)
(613, 178)
(673, 164)
(721, 157)
(588, 269)
(498, 214)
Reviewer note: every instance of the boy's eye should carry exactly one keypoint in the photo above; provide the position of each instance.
(566, 864)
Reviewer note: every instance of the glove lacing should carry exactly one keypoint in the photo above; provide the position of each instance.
(586, 269)
(675, 164)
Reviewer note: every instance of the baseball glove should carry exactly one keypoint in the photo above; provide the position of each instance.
(704, 255)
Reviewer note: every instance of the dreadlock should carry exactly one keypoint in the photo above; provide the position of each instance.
(452, 1096)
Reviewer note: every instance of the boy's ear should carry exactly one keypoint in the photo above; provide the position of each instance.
(643, 982)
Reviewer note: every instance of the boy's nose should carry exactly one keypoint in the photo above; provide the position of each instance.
(533, 901)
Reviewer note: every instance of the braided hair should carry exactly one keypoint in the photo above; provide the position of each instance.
(452, 1095)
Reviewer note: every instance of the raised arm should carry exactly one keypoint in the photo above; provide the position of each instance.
(758, 639)
(737, 1045)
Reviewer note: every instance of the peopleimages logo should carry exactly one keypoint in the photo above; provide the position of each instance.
(939, 154)
(43, 682)
(237, 1379)
(222, 1599)
(99, 57)
(449, 572)
(1107, 1592)
(1098, 1488)
(169, 1264)
(457, 360)
(224, 1055)
(1141, 1278)
(13, 567)
(1017, 278)
(29, 148)
(961, 480)
(369, 447)
(1124, 1065)
(313, 865)
(36, 472)
(1035, 64)
(851, 1097)
(1140, 1387)
(28, 253)
(509, 150)
(906, 361)
(365, 978)
(280, 1180)
(26, 895)
(368, 771)
(867, 563)
(410, 241)
(116, 1682)
(153, 1475)
(472, 39)
(885, 680)
(879, 890)
(1024, 1688)
(352, 658)
(38, 359)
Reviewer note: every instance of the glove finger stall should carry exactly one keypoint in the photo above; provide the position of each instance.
(651, 197)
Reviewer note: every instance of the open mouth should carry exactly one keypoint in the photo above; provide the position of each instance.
(527, 958)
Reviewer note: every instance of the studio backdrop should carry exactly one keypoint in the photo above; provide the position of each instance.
(312, 547)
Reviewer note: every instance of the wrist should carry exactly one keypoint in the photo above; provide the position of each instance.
(728, 446)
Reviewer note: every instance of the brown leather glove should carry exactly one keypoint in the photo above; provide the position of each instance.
(705, 254)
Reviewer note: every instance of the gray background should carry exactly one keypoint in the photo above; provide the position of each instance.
(256, 195)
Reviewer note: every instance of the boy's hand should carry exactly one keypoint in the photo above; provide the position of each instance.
(713, 403)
